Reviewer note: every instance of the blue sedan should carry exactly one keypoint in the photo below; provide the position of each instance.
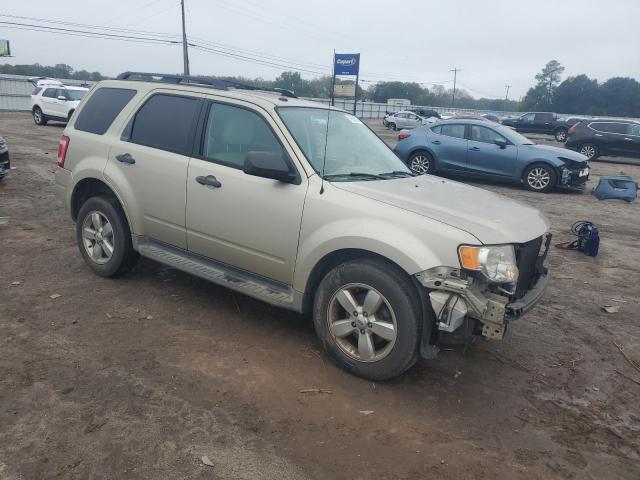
(476, 149)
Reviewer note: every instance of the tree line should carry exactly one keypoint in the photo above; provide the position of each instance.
(618, 96)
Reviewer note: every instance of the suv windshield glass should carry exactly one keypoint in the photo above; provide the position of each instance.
(75, 94)
(353, 152)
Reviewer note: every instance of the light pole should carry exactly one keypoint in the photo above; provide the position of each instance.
(185, 51)
(455, 75)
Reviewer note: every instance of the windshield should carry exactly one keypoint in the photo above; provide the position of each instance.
(75, 94)
(353, 152)
(513, 136)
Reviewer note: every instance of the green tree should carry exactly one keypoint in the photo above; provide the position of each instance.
(577, 94)
(540, 97)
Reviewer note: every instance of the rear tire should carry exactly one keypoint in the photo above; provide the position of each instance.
(589, 150)
(421, 163)
(39, 117)
(561, 135)
(382, 340)
(104, 238)
(539, 177)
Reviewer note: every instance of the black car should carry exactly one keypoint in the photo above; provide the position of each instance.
(4, 158)
(593, 138)
(539, 122)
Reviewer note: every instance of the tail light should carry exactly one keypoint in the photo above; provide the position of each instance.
(402, 136)
(574, 129)
(63, 146)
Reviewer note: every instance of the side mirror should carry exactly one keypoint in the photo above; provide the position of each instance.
(501, 143)
(268, 165)
(61, 97)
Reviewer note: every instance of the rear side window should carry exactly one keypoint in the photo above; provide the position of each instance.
(611, 127)
(165, 122)
(102, 108)
(36, 90)
(455, 130)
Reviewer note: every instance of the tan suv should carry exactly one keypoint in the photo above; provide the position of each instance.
(298, 205)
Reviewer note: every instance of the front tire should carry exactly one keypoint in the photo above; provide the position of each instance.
(366, 315)
(589, 150)
(539, 177)
(104, 238)
(421, 163)
(561, 135)
(38, 117)
(393, 127)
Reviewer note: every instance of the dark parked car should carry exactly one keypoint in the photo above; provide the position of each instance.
(492, 117)
(4, 158)
(539, 122)
(593, 138)
(481, 149)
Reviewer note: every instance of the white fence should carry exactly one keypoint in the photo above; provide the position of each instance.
(15, 91)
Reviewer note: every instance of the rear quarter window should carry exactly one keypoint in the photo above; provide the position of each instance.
(102, 108)
(36, 90)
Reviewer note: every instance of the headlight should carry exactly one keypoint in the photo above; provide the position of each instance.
(496, 262)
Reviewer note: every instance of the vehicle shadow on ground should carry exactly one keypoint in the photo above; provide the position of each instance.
(485, 182)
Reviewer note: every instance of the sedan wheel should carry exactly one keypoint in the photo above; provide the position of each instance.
(419, 164)
(362, 322)
(97, 237)
(540, 178)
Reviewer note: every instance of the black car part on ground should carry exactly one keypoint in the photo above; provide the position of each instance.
(5, 165)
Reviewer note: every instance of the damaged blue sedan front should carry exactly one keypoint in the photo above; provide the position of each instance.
(477, 149)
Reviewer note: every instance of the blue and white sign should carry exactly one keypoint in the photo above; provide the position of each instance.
(346, 63)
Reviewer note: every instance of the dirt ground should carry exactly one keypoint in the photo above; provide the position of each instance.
(140, 377)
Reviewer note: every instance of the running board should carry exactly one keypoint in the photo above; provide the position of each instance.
(219, 273)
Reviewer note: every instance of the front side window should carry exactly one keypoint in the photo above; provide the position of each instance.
(528, 118)
(165, 122)
(50, 93)
(454, 130)
(340, 146)
(102, 108)
(485, 135)
(232, 132)
(61, 93)
(544, 117)
(74, 95)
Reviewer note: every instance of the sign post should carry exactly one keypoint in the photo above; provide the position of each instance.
(346, 64)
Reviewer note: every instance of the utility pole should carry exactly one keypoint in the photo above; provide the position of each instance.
(185, 51)
(506, 97)
(455, 75)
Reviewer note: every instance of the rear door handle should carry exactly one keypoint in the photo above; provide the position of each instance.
(474, 149)
(436, 142)
(209, 180)
(126, 158)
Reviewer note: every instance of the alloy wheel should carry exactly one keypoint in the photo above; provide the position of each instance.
(362, 322)
(538, 178)
(419, 164)
(561, 136)
(97, 237)
(37, 116)
(588, 151)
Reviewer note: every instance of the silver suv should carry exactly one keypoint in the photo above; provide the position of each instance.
(301, 206)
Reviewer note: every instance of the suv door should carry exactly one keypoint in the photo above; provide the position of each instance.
(149, 164)
(633, 145)
(47, 101)
(59, 105)
(486, 157)
(249, 222)
(449, 146)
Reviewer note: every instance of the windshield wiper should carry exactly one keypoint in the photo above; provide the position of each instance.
(397, 174)
(368, 176)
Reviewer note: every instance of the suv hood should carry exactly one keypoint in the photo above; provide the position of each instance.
(489, 217)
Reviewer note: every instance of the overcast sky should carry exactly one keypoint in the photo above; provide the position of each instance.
(493, 42)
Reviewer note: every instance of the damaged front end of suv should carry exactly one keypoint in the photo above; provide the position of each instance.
(495, 285)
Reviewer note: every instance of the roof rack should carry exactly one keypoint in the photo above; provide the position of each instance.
(197, 80)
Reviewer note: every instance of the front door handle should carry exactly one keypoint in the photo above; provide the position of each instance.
(209, 180)
(126, 158)
(436, 142)
(474, 149)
